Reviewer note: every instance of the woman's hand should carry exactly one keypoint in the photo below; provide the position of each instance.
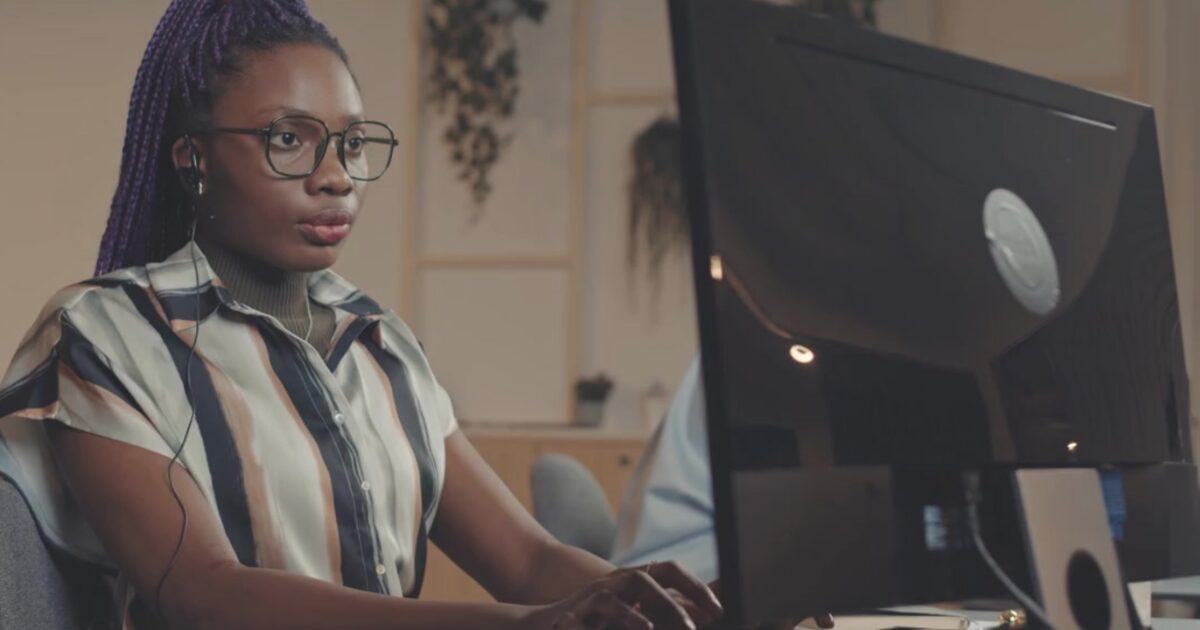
(660, 595)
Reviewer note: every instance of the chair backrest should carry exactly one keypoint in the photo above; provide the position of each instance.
(570, 504)
(33, 591)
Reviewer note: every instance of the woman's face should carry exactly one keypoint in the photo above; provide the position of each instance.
(297, 224)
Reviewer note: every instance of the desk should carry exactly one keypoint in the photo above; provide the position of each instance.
(1175, 624)
(987, 620)
(1187, 589)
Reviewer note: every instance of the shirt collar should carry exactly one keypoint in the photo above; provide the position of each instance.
(175, 281)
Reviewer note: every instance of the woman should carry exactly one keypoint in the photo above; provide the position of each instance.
(253, 442)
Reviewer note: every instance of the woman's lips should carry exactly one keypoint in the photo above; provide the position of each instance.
(324, 234)
(328, 227)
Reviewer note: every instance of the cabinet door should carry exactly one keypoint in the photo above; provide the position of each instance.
(444, 581)
(511, 459)
(614, 466)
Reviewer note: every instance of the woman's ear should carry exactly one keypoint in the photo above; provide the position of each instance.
(188, 159)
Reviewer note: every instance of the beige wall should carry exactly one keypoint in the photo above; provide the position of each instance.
(62, 118)
(553, 233)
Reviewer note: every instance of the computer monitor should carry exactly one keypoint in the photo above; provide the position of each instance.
(909, 265)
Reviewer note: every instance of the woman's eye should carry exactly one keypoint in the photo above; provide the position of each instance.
(354, 145)
(285, 140)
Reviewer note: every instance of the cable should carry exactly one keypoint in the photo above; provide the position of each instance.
(191, 421)
(971, 488)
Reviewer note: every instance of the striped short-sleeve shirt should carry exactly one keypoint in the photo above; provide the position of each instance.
(324, 466)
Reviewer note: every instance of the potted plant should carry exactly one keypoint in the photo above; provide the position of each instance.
(590, 396)
(472, 79)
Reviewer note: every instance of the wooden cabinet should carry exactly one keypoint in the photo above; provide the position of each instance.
(611, 458)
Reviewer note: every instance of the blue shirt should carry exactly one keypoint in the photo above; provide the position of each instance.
(667, 512)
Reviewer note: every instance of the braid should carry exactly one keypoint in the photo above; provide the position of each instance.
(196, 45)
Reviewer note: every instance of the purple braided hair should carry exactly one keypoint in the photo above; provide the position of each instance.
(196, 44)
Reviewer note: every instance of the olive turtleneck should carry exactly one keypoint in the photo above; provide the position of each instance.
(281, 294)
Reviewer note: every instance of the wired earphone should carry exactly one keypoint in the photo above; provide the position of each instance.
(194, 190)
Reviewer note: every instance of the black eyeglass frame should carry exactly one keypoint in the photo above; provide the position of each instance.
(265, 134)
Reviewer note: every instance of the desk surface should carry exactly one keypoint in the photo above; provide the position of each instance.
(1175, 624)
(1179, 588)
(988, 619)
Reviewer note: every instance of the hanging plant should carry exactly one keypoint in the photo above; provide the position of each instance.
(657, 223)
(472, 80)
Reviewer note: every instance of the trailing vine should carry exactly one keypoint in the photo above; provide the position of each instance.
(473, 77)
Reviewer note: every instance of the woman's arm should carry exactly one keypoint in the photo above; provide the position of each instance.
(485, 530)
(124, 493)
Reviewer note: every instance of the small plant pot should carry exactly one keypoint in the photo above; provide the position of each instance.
(589, 413)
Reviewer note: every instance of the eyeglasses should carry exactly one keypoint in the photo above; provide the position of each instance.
(296, 144)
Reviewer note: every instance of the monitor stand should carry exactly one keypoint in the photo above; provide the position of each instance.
(1074, 571)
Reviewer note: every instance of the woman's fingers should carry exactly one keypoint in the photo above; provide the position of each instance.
(672, 576)
(604, 609)
(568, 621)
(638, 588)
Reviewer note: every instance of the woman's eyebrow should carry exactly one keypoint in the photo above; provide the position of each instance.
(282, 109)
(279, 110)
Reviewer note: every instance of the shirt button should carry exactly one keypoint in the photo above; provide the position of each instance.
(339, 418)
(366, 486)
(380, 570)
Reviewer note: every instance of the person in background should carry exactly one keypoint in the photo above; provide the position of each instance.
(667, 511)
